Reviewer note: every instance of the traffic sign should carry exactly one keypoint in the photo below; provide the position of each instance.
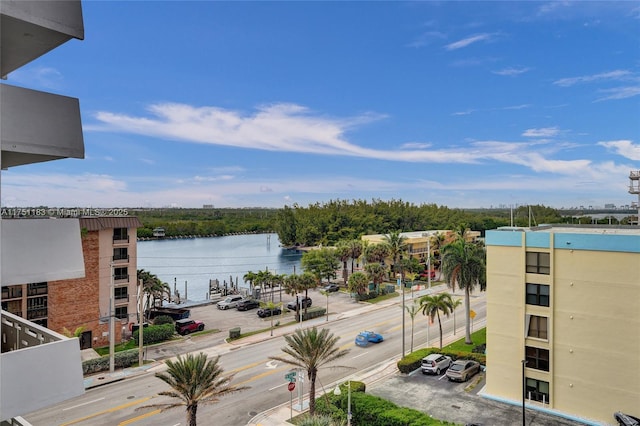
(472, 313)
(291, 386)
(290, 376)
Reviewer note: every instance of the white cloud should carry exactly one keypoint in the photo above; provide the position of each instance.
(511, 71)
(543, 132)
(619, 93)
(467, 41)
(625, 148)
(39, 76)
(611, 75)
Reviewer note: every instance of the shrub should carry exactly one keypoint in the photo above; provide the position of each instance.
(122, 359)
(155, 334)
(163, 319)
(311, 313)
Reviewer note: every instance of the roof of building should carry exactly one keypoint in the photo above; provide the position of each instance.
(109, 222)
(577, 229)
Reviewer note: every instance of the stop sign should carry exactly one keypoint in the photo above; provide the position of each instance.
(291, 386)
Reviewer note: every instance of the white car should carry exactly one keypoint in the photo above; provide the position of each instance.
(229, 302)
(435, 364)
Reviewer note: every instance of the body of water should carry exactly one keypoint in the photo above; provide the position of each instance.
(198, 260)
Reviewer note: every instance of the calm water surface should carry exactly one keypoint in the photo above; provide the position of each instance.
(198, 260)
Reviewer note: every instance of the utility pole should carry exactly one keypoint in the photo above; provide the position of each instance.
(140, 324)
(112, 322)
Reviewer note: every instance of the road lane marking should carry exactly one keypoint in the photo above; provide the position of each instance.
(279, 386)
(143, 416)
(363, 353)
(109, 410)
(84, 403)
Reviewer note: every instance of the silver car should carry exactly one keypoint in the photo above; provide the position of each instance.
(462, 370)
(229, 302)
(435, 364)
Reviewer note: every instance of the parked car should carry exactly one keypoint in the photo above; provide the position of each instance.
(626, 419)
(295, 304)
(365, 337)
(246, 304)
(186, 326)
(435, 363)
(229, 302)
(264, 312)
(462, 370)
(425, 274)
(331, 287)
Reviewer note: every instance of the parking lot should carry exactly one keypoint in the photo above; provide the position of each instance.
(457, 402)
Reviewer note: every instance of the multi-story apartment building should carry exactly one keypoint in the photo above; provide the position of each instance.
(563, 312)
(109, 251)
(38, 367)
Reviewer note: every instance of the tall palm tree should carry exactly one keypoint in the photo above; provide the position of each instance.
(343, 253)
(355, 251)
(432, 305)
(464, 266)
(412, 310)
(311, 349)
(195, 379)
(271, 306)
(397, 246)
(454, 305)
(249, 277)
(153, 288)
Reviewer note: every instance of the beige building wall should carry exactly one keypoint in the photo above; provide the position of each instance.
(593, 327)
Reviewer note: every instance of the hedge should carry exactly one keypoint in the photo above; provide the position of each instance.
(311, 313)
(155, 334)
(122, 359)
(413, 361)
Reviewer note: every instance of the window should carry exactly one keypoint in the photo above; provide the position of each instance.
(36, 289)
(120, 234)
(121, 293)
(537, 294)
(537, 358)
(120, 253)
(120, 273)
(538, 263)
(36, 307)
(537, 390)
(121, 313)
(537, 327)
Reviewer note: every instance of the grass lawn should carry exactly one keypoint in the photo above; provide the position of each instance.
(383, 297)
(479, 337)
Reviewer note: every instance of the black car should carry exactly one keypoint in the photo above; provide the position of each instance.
(247, 304)
(331, 287)
(295, 304)
(264, 312)
(626, 419)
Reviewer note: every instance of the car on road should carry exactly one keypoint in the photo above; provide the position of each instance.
(265, 312)
(435, 364)
(462, 370)
(186, 326)
(331, 287)
(229, 302)
(295, 304)
(626, 419)
(246, 304)
(365, 337)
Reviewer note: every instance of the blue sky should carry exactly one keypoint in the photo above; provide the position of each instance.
(241, 104)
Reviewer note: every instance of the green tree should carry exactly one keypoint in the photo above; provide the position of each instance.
(432, 305)
(464, 267)
(250, 278)
(271, 306)
(322, 263)
(344, 254)
(153, 288)
(412, 310)
(358, 282)
(311, 349)
(355, 251)
(455, 303)
(195, 379)
(376, 273)
(397, 246)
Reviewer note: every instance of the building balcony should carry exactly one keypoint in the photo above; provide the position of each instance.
(120, 259)
(121, 300)
(121, 279)
(120, 240)
(25, 346)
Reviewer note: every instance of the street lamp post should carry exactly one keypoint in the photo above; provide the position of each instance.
(337, 392)
(524, 392)
(399, 276)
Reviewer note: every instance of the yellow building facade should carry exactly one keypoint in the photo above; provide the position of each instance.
(567, 301)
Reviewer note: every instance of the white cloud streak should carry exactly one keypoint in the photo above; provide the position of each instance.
(611, 75)
(543, 132)
(467, 41)
(625, 148)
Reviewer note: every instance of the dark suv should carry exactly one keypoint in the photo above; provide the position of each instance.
(186, 326)
(247, 304)
(295, 304)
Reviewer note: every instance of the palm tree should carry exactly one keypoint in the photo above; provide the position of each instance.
(271, 306)
(463, 265)
(327, 294)
(397, 246)
(249, 277)
(153, 288)
(311, 349)
(376, 273)
(454, 306)
(432, 305)
(412, 310)
(195, 380)
(343, 253)
(358, 282)
(355, 251)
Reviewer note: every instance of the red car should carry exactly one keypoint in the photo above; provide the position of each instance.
(425, 274)
(186, 326)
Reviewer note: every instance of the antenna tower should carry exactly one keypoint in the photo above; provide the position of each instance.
(634, 188)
